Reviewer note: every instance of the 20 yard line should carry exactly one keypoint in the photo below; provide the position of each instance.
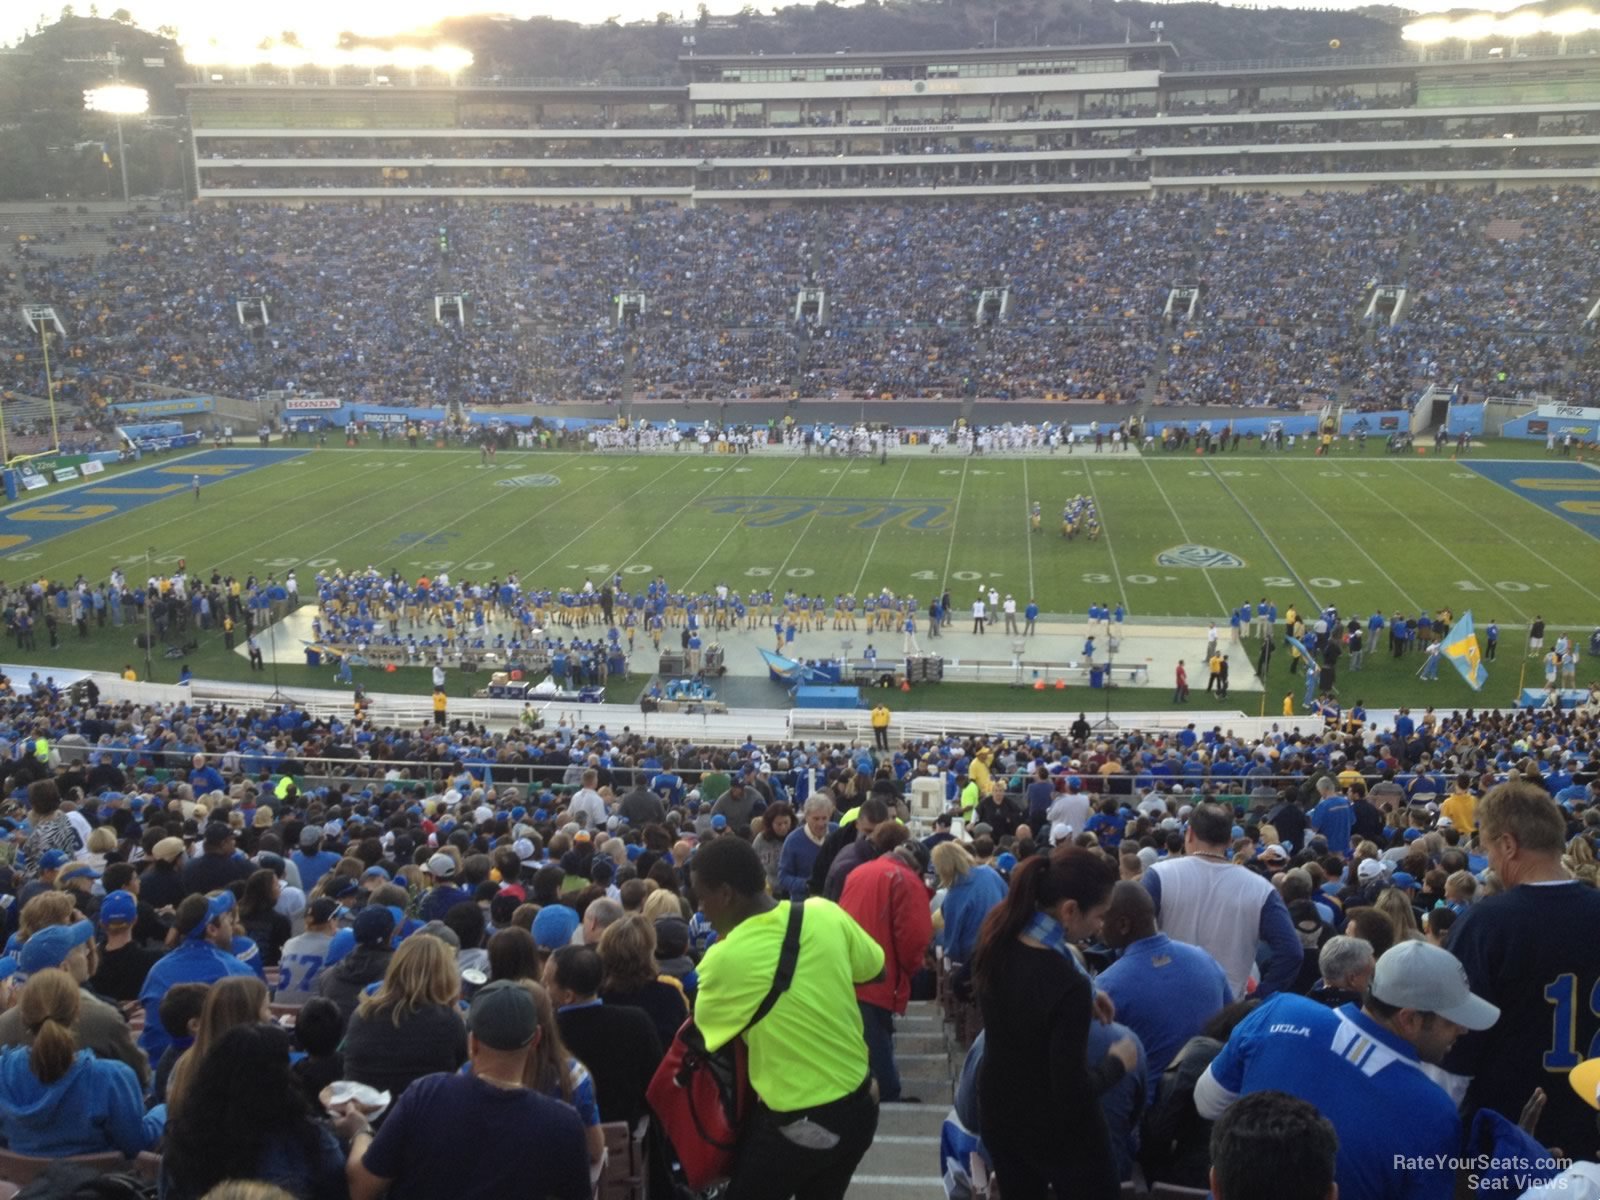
(1362, 550)
(877, 533)
(1206, 571)
(955, 516)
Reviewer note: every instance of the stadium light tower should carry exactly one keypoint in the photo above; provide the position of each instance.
(119, 100)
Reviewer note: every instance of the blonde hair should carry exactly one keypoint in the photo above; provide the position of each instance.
(546, 1070)
(628, 952)
(422, 974)
(951, 861)
(43, 911)
(49, 1011)
(102, 840)
(230, 1002)
(1392, 903)
(660, 903)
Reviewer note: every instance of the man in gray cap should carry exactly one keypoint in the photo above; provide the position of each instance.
(1362, 1068)
(523, 1143)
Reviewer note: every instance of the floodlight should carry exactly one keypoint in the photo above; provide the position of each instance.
(117, 100)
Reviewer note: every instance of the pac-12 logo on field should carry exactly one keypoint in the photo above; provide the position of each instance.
(529, 481)
(1205, 557)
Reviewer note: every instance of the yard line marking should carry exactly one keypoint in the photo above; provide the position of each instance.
(955, 516)
(1027, 529)
(1265, 536)
(878, 532)
(366, 529)
(188, 513)
(1206, 571)
(478, 555)
(582, 533)
(1590, 592)
(1512, 604)
(1105, 530)
(812, 519)
(735, 525)
(1409, 599)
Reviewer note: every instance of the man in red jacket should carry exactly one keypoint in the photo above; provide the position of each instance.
(888, 899)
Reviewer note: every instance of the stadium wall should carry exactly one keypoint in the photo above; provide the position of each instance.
(1557, 419)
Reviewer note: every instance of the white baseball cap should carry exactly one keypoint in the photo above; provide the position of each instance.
(1424, 977)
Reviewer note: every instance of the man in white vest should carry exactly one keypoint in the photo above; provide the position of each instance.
(1205, 900)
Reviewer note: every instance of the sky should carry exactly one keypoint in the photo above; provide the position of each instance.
(241, 23)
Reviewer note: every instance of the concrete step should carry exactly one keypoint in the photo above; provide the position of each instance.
(903, 1163)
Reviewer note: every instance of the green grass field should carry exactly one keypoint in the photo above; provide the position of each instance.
(1183, 536)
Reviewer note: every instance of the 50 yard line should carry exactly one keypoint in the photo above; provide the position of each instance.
(877, 533)
(735, 526)
(1221, 604)
(812, 519)
(1027, 509)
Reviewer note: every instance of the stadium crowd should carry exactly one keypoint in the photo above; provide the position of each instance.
(1495, 292)
(502, 932)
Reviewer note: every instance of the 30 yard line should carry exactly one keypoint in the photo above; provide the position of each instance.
(1221, 604)
(1105, 532)
(1424, 532)
(735, 526)
(1405, 595)
(877, 533)
(955, 516)
(1422, 475)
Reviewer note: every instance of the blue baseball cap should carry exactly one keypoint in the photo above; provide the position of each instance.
(554, 926)
(719, 822)
(53, 860)
(221, 904)
(376, 873)
(374, 925)
(50, 947)
(80, 870)
(1403, 880)
(119, 908)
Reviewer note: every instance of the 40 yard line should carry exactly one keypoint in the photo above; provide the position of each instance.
(1105, 532)
(601, 518)
(1027, 509)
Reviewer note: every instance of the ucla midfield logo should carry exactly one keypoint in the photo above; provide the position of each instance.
(763, 512)
(1206, 558)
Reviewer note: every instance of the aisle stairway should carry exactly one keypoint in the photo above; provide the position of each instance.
(903, 1163)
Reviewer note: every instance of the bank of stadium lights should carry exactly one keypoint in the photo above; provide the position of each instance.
(449, 60)
(118, 100)
(1511, 26)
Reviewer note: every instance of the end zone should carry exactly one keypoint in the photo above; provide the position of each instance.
(1566, 488)
(33, 520)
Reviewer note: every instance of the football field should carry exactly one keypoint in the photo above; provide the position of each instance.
(1182, 536)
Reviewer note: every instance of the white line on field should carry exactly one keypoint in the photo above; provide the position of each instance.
(812, 519)
(1222, 606)
(1544, 511)
(1027, 524)
(582, 533)
(878, 532)
(955, 516)
(1362, 550)
(735, 526)
(1105, 532)
(478, 554)
(1406, 517)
